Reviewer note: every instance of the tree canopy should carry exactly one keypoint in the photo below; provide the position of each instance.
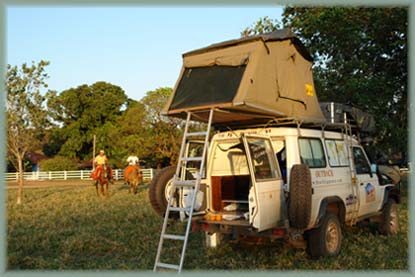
(167, 130)
(262, 26)
(83, 112)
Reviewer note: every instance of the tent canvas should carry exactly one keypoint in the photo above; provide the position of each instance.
(248, 80)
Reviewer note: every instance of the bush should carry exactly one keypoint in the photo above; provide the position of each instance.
(58, 164)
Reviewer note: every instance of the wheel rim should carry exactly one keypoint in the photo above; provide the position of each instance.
(332, 237)
(167, 189)
(393, 219)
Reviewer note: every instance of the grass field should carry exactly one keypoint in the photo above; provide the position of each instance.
(70, 228)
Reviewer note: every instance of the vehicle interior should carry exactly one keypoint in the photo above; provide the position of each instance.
(230, 179)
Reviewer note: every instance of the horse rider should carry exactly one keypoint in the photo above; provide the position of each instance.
(133, 163)
(100, 163)
(132, 160)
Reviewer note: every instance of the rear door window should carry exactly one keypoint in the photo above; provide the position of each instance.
(263, 159)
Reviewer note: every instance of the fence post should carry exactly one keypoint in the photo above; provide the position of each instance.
(82, 174)
(64, 174)
(50, 175)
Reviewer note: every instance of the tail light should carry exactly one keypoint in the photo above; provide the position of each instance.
(204, 226)
(278, 232)
(195, 227)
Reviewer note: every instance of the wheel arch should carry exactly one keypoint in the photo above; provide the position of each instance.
(391, 192)
(331, 204)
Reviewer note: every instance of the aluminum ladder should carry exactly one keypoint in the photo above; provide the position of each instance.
(180, 183)
(355, 188)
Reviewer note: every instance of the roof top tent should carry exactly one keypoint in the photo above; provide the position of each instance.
(250, 80)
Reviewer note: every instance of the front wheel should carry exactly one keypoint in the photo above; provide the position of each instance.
(325, 241)
(390, 223)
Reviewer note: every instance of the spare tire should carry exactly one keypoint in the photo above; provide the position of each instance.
(157, 190)
(299, 202)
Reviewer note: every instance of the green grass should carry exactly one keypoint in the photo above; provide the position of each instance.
(70, 228)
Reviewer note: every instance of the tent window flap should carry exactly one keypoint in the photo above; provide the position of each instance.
(201, 86)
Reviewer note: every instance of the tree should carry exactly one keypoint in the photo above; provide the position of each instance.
(262, 26)
(362, 60)
(83, 112)
(25, 113)
(131, 135)
(167, 130)
(58, 163)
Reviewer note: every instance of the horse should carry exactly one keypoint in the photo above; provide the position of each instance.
(133, 176)
(102, 180)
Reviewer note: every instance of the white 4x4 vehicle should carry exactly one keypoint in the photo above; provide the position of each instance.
(300, 184)
(297, 175)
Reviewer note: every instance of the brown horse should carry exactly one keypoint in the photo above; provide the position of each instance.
(103, 181)
(133, 176)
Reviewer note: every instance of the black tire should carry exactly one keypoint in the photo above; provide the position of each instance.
(299, 205)
(325, 241)
(157, 190)
(390, 224)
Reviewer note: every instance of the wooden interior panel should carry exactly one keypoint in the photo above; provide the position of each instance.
(215, 184)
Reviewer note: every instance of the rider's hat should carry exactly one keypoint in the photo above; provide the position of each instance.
(101, 151)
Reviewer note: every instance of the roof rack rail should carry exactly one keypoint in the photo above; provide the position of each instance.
(287, 122)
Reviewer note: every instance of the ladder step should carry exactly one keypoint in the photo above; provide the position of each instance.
(176, 209)
(192, 159)
(196, 134)
(184, 183)
(174, 237)
(171, 266)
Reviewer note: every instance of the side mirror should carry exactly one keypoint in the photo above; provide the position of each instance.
(373, 168)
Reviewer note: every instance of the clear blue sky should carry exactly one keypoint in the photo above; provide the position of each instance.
(138, 48)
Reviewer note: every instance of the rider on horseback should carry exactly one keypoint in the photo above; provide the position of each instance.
(133, 164)
(100, 163)
(132, 160)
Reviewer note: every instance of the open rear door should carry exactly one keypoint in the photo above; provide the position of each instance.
(266, 193)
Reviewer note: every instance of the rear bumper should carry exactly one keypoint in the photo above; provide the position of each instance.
(237, 228)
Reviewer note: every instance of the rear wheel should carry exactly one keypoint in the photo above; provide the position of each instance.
(326, 239)
(159, 190)
(390, 224)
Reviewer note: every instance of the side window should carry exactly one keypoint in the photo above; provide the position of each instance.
(360, 162)
(263, 160)
(311, 152)
(336, 152)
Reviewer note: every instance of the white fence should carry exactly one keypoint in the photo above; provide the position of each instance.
(148, 174)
